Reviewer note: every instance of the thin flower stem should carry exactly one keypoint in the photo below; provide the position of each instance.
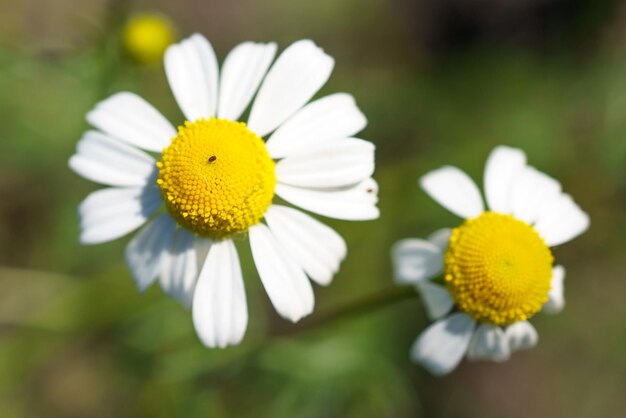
(370, 303)
(365, 305)
(116, 14)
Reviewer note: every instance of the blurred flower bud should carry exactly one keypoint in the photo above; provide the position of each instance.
(146, 36)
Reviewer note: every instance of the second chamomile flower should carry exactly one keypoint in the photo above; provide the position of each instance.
(497, 265)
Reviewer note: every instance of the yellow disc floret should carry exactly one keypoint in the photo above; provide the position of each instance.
(216, 177)
(498, 269)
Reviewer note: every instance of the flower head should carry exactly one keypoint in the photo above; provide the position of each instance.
(497, 266)
(146, 37)
(200, 187)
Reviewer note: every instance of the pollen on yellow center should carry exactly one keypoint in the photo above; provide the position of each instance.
(216, 177)
(498, 269)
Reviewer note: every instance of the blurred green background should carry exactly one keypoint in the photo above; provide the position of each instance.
(441, 82)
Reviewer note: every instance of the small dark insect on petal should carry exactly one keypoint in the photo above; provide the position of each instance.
(212, 158)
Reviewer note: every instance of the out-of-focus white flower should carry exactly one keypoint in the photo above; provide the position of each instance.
(497, 265)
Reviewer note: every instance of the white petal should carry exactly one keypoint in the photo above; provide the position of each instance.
(179, 268)
(453, 190)
(130, 118)
(242, 72)
(556, 299)
(191, 69)
(501, 171)
(442, 345)
(298, 73)
(489, 343)
(416, 260)
(437, 299)
(220, 311)
(203, 245)
(342, 163)
(145, 251)
(285, 282)
(356, 203)
(105, 160)
(317, 248)
(321, 121)
(441, 238)
(561, 221)
(531, 191)
(521, 335)
(110, 213)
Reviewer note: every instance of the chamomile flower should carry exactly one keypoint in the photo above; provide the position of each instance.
(213, 181)
(498, 270)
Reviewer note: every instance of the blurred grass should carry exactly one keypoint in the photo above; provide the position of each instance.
(77, 340)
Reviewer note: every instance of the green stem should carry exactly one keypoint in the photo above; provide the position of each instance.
(116, 14)
(370, 303)
(356, 308)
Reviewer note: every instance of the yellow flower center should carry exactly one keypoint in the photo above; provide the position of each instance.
(498, 269)
(216, 177)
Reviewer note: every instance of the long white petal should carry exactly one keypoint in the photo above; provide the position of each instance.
(453, 190)
(220, 311)
(442, 345)
(356, 203)
(298, 73)
(317, 248)
(285, 282)
(146, 250)
(179, 268)
(192, 72)
(561, 221)
(556, 298)
(342, 163)
(489, 343)
(437, 299)
(242, 72)
(531, 191)
(503, 167)
(105, 160)
(321, 121)
(110, 213)
(130, 118)
(416, 260)
(521, 335)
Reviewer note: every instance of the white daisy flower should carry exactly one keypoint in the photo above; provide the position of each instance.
(200, 187)
(497, 265)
